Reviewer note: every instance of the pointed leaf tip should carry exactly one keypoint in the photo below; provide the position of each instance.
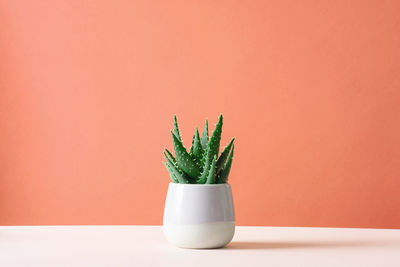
(224, 156)
(223, 177)
(197, 149)
(215, 138)
(204, 137)
(176, 128)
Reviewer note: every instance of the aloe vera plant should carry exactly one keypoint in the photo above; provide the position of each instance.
(202, 164)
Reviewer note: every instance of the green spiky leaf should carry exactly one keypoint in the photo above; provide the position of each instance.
(191, 148)
(184, 160)
(168, 158)
(171, 174)
(212, 172)
(176, 129)
(223, 177)
(206, 167)
(170, 155)
(224, 155)
(213, 144)
(197, 150)
(202, 164)
(178, 174)
(204, 136)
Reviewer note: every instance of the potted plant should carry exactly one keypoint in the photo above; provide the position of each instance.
(199, 208)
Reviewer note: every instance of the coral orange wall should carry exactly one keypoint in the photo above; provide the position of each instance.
(310, 89)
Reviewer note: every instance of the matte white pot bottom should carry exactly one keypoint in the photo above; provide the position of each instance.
(205, 235)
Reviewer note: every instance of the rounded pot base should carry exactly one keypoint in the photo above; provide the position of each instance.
(205, 235)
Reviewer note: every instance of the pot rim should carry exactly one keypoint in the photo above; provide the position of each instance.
(199, 185)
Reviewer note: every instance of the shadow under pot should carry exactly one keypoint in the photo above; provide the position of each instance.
(199, 215)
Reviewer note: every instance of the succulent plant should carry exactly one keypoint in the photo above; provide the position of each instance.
(202, 164)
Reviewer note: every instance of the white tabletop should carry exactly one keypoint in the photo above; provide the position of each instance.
(146, 246)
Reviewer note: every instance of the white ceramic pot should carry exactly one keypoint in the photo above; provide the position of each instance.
(199, 215)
